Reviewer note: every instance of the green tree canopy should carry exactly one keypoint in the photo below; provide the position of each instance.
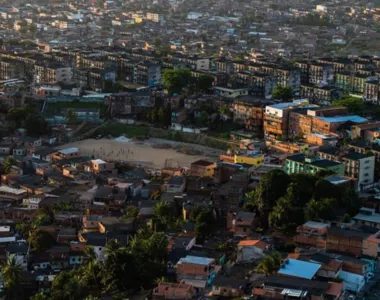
(270, 264)
(353, 104)
(175, 80)
(283, 93)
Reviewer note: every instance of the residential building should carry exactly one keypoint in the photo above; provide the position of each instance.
(251, 250)
(298, 268)
(282, 287)
(229, 92)
(241, 223)
(12, 194)
(176, 184)
(228, 287)
(367, 217)
(202, 168)
(371, 91)
(312, 234)
(179, 291)
(52, 73)
(11, 69)
(276, 119)
(346, 241)
(300, 163)
(323, 95)
(199, 271)
(361, 167)
(363, 131)
(67, 153)
(250, 112)
(155, 17)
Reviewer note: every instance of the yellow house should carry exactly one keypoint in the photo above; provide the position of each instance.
(253, 160)
(138, 20)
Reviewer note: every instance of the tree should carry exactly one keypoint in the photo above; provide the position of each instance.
(8, 163)
(350, 201)
(32, 28)
(270, 264)
(353, 104)
(71, 117)
(41, 241)
(40, 296)
(163, 211)
(175, 80)
(322, 209)
(90, 277)
(204, 83)
(157, 42)
(223, 109)
(66, 286)
(203, 225)
(160, 280)
(283, 93)
(272, 186)
(11, 275)
(131, 212)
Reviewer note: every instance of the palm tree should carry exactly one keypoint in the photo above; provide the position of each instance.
(160, 280)
(8, 163)
(11, 274)
(270, 264)
(90, 277)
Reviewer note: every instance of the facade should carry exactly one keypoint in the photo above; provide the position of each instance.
(276, 119)
(312, 234)
(202, 168)
(345, 241)
(300, 163)
(361, 167)
(202, 268)
(250, 113)
(10, 69)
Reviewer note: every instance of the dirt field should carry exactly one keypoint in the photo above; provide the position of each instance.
(152, 153)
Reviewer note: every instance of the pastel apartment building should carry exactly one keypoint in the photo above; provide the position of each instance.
(358, 166)
(300, 163)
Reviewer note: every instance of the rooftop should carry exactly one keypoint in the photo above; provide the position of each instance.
(374, 218)
(283, 105)
(9, 190)
(196, 260)
(341, 119)
(299, 268)
(316, 225)
(68, 151)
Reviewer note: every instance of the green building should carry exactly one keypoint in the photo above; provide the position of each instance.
(300, 163)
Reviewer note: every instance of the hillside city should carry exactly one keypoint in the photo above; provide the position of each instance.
(169, 149)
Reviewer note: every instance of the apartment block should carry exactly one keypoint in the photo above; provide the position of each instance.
(300, 163)
(250, 112)
(276, 119)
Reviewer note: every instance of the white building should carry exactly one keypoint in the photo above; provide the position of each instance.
(194, 15)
